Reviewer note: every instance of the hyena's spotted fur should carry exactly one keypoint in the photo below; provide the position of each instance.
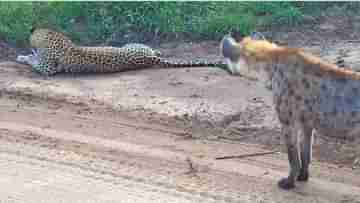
(309, 94)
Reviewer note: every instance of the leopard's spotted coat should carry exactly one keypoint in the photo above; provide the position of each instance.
(55, 53)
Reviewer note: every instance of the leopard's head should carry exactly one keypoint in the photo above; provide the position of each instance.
(45, 38)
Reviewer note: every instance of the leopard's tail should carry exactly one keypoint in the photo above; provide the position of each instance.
(181, 63)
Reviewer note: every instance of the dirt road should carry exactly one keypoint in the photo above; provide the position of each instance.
(68, 153)
(124, 138)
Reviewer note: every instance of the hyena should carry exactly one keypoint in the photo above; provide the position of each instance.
(308, 93)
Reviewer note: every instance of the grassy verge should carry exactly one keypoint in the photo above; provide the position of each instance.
(97, 21)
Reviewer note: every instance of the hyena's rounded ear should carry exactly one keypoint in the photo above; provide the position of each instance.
(236, 35)
(228, 34)
(257, 36)
(32, 29)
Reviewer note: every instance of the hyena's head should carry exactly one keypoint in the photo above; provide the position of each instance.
(252, 53)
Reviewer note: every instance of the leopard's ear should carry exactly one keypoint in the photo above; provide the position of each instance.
(45, 25)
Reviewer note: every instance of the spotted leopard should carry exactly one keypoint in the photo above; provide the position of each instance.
(54, 53)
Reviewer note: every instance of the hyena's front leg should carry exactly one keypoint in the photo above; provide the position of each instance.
(291, 135)
(306, 154)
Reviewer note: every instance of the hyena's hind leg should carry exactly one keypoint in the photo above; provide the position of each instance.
(291, 135)
(306, 153)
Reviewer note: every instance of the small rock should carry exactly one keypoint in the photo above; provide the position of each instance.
(195, 96)
(327, 27)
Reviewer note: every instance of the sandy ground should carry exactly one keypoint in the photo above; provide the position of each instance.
(69, 154)
(152, 136)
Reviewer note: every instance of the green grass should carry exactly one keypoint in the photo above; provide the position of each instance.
(96, 21)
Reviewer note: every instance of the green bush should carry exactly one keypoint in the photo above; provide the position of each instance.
(96, 21)
(16, 20)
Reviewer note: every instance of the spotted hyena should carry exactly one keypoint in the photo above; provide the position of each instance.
(308, 93)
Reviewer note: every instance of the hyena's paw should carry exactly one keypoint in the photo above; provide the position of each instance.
(303, 176)
(286, 184)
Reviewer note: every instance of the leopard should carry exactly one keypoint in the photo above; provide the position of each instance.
(310, 97)
(54, 52)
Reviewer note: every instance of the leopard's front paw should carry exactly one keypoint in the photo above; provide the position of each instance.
(22, 59)
(31, 59)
